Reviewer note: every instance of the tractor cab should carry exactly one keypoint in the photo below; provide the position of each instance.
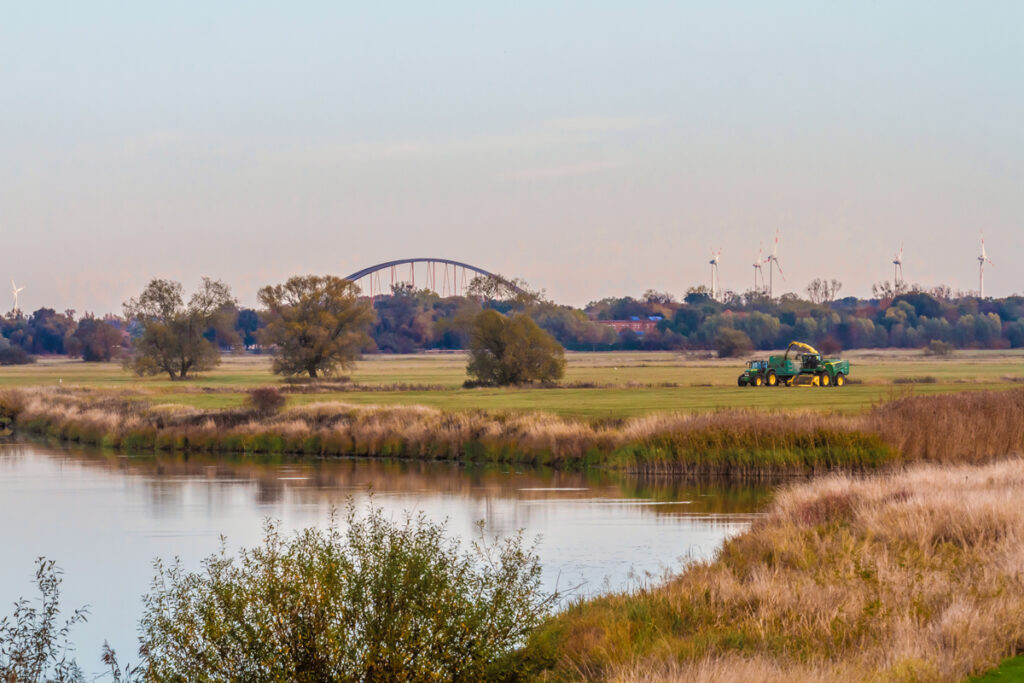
(810, 361)
(754, 373)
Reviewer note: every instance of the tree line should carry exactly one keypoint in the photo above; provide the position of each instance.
(408, 320)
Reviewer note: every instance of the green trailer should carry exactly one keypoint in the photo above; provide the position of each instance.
(806, 369)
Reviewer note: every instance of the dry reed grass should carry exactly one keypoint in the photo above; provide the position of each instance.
(914, 575)
(967, 427)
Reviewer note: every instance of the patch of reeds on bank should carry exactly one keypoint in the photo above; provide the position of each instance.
(966, 427)
(914, 575)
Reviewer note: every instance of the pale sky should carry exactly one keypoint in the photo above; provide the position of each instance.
(591, 148)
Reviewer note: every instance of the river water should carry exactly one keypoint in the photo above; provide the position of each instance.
(104, 517)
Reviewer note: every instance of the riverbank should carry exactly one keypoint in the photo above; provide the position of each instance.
(951, 428)
(914, 575)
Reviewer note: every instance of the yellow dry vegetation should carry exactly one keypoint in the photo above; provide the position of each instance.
(912, 575)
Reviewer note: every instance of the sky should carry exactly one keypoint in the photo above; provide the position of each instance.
(591, 148)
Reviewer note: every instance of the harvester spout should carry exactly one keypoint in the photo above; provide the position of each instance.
(800, 345)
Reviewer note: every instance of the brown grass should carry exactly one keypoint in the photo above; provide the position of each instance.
(915, 575)
(967, 427)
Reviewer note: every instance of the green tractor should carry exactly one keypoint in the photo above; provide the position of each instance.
(754, 374)
(807, 369)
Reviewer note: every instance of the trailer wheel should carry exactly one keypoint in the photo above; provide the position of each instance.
(772, 379)
(824, 380)
(840, 380)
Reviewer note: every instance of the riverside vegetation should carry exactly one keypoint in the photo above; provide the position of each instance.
(913, 575)
(950, 428)
(381, 600)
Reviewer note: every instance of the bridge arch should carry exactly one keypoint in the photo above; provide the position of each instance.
(441, 275)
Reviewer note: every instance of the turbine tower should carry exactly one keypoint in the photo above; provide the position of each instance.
(715, 282)
(14, 290)
(982, 260)
(897, 268)
(758, 271)
(773, 259)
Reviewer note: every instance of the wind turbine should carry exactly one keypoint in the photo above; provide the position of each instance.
(773, 258)
(715, 282)
(982, 260)
(757, 268)
(14, 290)
(897, 267)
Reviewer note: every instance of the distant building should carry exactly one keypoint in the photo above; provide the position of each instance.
(637, 324)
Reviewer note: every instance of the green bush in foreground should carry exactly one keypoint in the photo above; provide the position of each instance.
(380, 601)
(33, 642)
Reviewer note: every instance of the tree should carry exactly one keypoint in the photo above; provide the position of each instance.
(381, 601)
(512, 351)
(247, 325)
(315, 324)
(95, 340)
(49, 329)
(822, 291)
(730, 342)
(172, 332)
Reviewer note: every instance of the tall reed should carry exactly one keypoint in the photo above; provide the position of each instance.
(965, 427)
(914, 575)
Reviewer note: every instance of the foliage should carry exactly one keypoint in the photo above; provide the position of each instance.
(315, 324)
(513, 350)
(173, 333)
(938, 348)
(49, 330)
(248, 325)
(730, 343)
(382, 600)
(95, 340)
(34, 644)
(266, 400)
(12, 354)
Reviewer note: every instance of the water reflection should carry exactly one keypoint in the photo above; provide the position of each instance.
(104, 516)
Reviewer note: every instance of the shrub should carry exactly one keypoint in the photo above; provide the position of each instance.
(937, 347)
(381, 601)
(33, 643)
(266, 400)
(730, 342)
(12, 354)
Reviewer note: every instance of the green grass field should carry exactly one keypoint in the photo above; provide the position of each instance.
(1011, 670)
(631, 383)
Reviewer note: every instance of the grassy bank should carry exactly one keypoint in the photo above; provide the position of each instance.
(915, 575)
(965, 427)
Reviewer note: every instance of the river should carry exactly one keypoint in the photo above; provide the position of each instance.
(104, 517)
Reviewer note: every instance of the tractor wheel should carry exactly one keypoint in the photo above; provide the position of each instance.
(758, 381)
(772, 379)
(825, 380)
(840, 380)
(740, 382)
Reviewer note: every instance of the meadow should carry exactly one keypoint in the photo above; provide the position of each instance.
(596, 385)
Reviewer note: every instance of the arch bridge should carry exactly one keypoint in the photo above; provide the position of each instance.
(441, 275)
